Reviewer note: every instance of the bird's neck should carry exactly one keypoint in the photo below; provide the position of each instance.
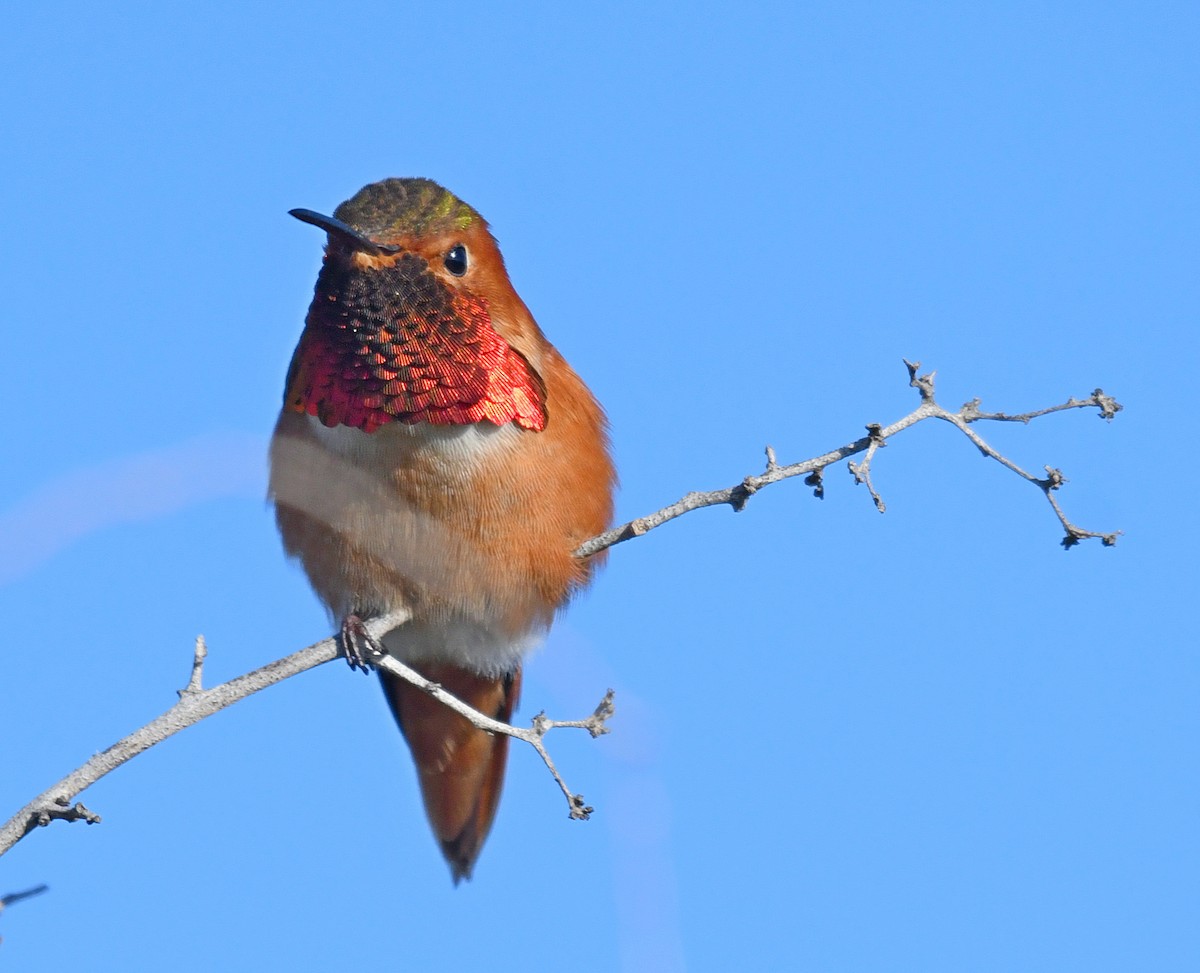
(399, 345)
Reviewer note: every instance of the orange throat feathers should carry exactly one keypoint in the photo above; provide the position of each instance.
(397, 344)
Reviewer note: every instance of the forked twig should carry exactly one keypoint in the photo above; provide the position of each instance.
(812, 469)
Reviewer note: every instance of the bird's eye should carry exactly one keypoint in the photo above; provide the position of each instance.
(456, 260)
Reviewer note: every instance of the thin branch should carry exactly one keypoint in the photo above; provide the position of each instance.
(737, 495)
(192, 706)
(195, 684)
(862, 471)
(594, 724)
(1108, 406)
(195, 703)
(7, 900)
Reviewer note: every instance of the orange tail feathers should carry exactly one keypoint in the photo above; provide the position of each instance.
(461, 768)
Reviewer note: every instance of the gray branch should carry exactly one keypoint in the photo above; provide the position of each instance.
(195, 703)
(813, 469)
(7, 900)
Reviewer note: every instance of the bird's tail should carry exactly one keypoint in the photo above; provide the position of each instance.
(461, 768)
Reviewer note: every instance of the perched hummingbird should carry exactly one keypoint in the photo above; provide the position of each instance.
(436, 454)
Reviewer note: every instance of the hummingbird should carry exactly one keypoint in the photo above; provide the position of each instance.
(436, 455)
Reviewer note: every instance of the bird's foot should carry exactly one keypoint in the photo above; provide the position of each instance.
(359, 646)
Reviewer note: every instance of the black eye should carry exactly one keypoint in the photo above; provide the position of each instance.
(456, 260)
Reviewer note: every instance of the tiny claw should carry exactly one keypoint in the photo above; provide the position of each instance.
(355, 638)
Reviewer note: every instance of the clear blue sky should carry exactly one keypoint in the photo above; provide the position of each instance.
(929, 741)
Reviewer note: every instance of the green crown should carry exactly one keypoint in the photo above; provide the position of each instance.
(396, 207)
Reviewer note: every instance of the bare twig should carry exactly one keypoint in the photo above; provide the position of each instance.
(195, 703)
(862, 471)
(737, 495)
(63, 810)
(594, 724)
(7, 900)
(195, 684)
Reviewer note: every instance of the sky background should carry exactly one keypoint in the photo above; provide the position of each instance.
(929, 740)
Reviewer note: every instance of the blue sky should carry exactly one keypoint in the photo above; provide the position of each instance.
(929, 740)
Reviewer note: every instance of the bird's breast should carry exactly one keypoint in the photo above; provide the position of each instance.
(433, 519)
(456, 450)
(470, 527)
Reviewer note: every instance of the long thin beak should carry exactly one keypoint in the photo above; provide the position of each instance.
(347, 233)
